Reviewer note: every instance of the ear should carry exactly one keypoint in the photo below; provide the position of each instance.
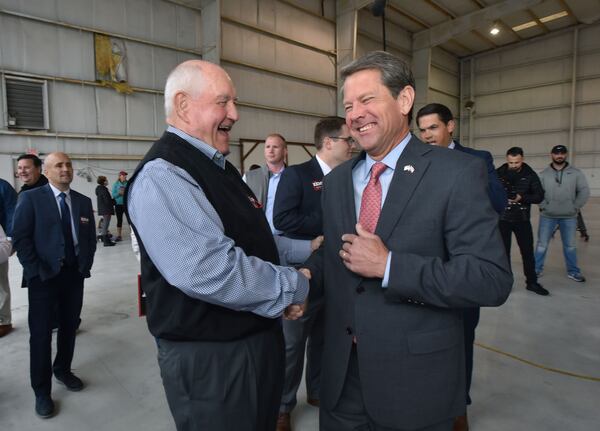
(406, 99)
(451, 126)
(327, 143)
(181, 105)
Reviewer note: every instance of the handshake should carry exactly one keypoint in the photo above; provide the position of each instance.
(295, 311)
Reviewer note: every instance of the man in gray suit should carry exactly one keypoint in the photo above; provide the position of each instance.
(410, 239)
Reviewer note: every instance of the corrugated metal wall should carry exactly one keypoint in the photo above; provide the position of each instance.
(54, 40)
(526, 96)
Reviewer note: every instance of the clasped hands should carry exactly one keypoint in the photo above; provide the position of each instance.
(295, 311)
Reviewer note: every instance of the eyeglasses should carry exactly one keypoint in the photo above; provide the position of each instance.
(348, 139)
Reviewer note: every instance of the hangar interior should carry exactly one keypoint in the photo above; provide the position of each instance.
(533, 84)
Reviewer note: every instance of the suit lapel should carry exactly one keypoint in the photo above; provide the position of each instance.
(316, 172)
(410, 168)
(52, 202)
(347, 194)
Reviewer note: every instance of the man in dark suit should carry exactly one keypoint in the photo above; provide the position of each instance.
(297, 215)
(425, 246)
(436, 124)
(54, 235)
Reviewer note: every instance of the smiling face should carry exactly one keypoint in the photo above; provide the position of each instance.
(28, 172)
(207, 111)
(376, 120)
(434, 131)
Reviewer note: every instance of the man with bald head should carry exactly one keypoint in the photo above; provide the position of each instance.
(54, 235)
(215, 291)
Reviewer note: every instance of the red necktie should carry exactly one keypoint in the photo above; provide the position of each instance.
(370, 205)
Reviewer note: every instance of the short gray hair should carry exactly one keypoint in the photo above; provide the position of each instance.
(186, 77)
(395, 72)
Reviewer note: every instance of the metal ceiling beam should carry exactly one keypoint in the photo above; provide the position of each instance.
(447, 30)
(423, 24)
(535, 18)
(452, 15)
(344, 6)
(500, 21)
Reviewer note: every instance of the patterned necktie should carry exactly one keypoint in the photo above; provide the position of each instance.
(65, 219)
(370, 205)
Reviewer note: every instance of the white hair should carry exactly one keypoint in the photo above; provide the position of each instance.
(185, 77)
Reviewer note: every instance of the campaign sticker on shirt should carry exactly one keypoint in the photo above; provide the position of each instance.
(254, 202)
(317, 185)
(84, 220)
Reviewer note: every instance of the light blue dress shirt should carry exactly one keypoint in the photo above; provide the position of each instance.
(57, 192)
(184, 237)
(271, 190)
(361, 173)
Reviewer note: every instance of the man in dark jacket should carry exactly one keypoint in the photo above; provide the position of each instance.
(523, 188)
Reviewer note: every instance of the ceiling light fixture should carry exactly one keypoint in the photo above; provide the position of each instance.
(554, 16)
(495, 29)
(524, 26)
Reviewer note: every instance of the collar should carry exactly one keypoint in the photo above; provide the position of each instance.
(207, 150)
(58, 192)
(391, 159)
(324, 166)
(452, 145)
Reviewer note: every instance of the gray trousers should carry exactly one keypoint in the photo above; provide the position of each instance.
(296, 333)
(224, 386)
(105, 223)
(350, 414)
(5, 314)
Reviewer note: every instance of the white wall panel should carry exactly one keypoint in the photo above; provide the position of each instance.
(73, 108)
(111, 115)
(266, 89)
(551, 95)
(258, 123)
(140, 114)
(283, 19)
(250, 47)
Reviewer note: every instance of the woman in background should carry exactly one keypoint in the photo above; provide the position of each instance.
(105, 208)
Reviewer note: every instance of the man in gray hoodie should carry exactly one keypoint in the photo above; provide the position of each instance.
(565, 192)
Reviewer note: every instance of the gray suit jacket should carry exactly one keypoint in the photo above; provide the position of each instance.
(447, 254)
(258, 181)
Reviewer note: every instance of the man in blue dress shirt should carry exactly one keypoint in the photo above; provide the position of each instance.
(209, 265)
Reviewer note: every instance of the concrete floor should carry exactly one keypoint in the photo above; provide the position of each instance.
(116, 356)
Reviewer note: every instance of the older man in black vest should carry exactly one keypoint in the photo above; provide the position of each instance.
(210, 270)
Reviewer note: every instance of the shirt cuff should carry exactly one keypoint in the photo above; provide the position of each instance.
(386, 275)
(301, 290)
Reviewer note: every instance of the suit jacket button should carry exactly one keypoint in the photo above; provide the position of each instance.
(349, 330)
(360, 289)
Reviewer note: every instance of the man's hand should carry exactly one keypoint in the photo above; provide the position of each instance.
(316, 243)
(295, 311)
(305, 272)
(364, 254)
(516, 200)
